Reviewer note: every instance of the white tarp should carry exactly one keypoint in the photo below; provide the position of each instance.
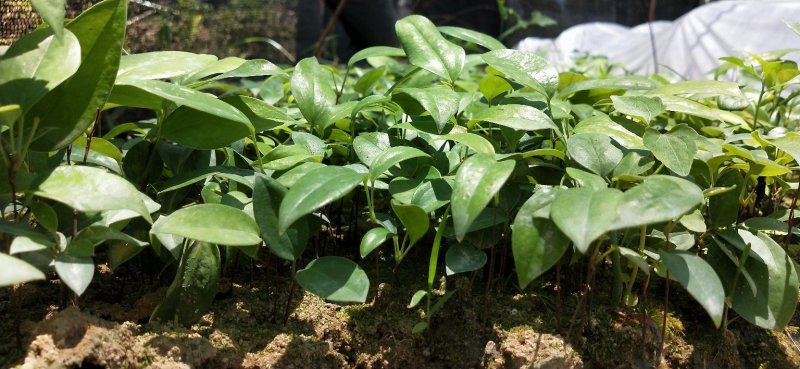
(691, 45)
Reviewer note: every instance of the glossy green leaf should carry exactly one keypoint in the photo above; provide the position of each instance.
(161, 65)
(372, 239)
(698, 278)
(474, 37)
(537, 244)
(478, 179)
(414, 219)
(200, 130)
(462, 258)
(313, 89)
(89, 189)
(427, 49)
(267, 196)
(694, 221)
(633, 164)
(586, 179)
(70, 109)
(36, 64)
(471, 140)
(251, 68)
(440, 102)
(789, 144)
(584, 214)
(334, 278)
(594, 151)
(492, 86)
(432, 194)
(519, 117)
(603, 124)
(316, 189)
(75, 272)
(765, 293)
(13, 271)
(194, 287)
(643, 107)
(657, 199)
(525, 68)
(613, 83)
(691, 107)
(675, 149)
(9, 114)
(52, 11)
(261, 115)
(392, 157)
(417, 298)
(375, 51)
(366, 83)
(238, 175)
(707, 87)
(213, 223)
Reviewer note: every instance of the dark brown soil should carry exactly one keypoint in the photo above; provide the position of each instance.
(245, 329)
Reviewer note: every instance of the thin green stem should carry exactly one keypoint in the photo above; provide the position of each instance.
(401, 80)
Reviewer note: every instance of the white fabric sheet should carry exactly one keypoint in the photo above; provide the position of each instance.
(691, 45)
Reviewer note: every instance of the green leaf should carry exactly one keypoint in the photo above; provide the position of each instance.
(212, 223)
(492, 86)
(89, 189)
(586, 179)
(13, 271)
(707, 87)
(392, 157)
(75, 272)
(334, 278)
(440, 102)
(267, 196)
(525, 68)
(594, 151)
(9, 114)
(151, 95)
(723, 209)
(461, 258)
(698, 278)
(36, 64)
(417, 298)
(478, 179)
(238, 175)
(519, 117)
(694, 221)
(432, 194)
(161, 65)
(614, 83)
(52, 11)
(375, 51)
(603, 124)
(657, 199)
(766, 291)
(584, 214)
(427, 49)
(633, 164)
(372, 239)
(262, 116)
(691, 107)
(474, 37)
(537, 244)
(365, 84)
(642, 107)
(414, 219)
(471, 140)
(675, 149)
(194, 287)
(70, 109)
(313, 89)
(200, 130)
(316, 189)
(251, 68)
(789, 144)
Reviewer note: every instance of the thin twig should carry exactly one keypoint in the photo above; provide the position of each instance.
(651, 14)
(329, 28)
(791, 218)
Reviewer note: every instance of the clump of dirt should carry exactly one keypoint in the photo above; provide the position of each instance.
(525, 348)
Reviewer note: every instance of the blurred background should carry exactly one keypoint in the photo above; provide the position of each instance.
(284, 30)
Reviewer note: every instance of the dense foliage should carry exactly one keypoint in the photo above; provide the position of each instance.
(459, 153)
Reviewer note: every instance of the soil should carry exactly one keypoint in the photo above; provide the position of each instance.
(109, 328)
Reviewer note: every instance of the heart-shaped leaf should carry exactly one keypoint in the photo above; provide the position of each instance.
(584, 214)
(392, 157)
(212, 223)
(461, 258)
(75, 272)
(675, 149)
(478, 179)
(372, 239)
(427, 49)
(334, 278)
(440, 102)
(645, 108)
(414, 219)
(594, 151)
